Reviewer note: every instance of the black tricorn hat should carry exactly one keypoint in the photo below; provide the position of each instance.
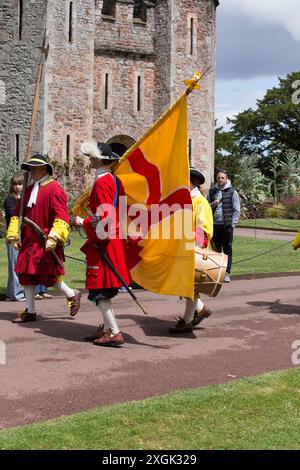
(37, 160)
(197, 175)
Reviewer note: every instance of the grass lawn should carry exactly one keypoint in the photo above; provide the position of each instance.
(284, 259)
(75, 271)
(275, 224)
(253, 413)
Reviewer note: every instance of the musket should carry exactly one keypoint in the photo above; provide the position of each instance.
(44, 54)
(118, 275)
(35, 227)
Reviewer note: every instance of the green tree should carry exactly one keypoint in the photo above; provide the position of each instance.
(226, 152)
(290, 172)
(274, 126)
(274, 186)
(251, 183)
(8, 167)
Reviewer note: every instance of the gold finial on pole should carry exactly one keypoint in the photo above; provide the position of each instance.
(193, 84)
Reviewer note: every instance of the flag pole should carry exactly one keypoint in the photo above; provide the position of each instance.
(191, 84)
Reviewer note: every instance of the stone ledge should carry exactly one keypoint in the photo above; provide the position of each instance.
(110, 18)
(131, 54)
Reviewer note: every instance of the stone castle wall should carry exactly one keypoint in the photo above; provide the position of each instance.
(193, 48)
(124, 51)
(69, 77)
(91, 81)
(19, 58)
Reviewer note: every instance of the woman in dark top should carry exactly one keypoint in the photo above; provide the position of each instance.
(14, 290)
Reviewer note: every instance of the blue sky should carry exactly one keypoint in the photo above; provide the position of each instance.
(257, 41)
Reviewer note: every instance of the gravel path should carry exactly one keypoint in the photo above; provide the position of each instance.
(50, 371)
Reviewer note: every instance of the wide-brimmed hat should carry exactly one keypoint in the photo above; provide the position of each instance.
(98, 150)
(37, 160)
(196, 174)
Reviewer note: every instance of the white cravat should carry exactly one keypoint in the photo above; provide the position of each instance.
(35, 190)
(194, 192)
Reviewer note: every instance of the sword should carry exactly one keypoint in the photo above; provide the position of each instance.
(118, 275)
(43, 236)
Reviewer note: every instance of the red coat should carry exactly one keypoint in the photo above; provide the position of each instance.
(33, 259)
(98, 274)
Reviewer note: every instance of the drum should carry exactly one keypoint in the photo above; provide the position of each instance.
(210, 269)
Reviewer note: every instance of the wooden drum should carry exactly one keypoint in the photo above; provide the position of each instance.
(210, 269)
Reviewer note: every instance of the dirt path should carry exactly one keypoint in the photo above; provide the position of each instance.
(268, 234)
(50, 371)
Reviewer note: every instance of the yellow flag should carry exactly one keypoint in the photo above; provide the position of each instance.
(155, 177)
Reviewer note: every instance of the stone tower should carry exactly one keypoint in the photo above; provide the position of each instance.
(113, 67)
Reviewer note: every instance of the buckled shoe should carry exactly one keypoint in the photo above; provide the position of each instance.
(181, 327)
(97, 335)
(200, 316)
(25, 317)
(110, 340)
(74, 303)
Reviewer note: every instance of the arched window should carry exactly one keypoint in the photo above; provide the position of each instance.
(109, 8)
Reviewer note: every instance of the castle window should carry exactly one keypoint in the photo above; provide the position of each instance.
(190, 151)
(106, 90)
(191, 42)
(109, 8)
(138, 96)
(70, 26)
(17, 148)
(68, 146)
(140, 11)
(192, 36)
(20, 19)
(2, 92)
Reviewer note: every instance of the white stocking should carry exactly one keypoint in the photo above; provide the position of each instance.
(200, 305)
(109, 319)
(64, 289)
(190, 308)
(30, 294)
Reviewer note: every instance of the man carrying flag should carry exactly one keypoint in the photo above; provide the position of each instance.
(154, 177)
(104, 247)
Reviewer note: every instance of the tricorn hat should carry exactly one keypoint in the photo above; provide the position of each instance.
(197, 175)
(98, 150)
(37, 160)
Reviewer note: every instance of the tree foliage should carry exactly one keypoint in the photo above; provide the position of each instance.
(274, 126)
(272, 131)
(8, 167)
(226, 152)
(251, 183)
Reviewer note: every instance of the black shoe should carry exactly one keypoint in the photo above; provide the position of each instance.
(181, 327)
(200, 316)
(25, 317)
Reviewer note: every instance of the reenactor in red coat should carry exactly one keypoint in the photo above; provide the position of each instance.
(41, 257)
(104, 243)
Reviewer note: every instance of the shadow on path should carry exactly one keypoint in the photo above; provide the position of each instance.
(278, 308)
(153, 326)
(67, 328)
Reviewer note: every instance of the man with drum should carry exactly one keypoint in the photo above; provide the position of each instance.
(195, 310)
